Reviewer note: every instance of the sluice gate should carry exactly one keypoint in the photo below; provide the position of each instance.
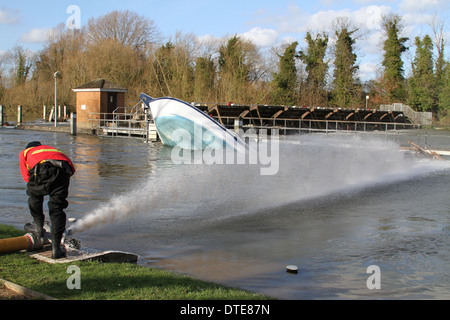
(138, 122)
(294, 119)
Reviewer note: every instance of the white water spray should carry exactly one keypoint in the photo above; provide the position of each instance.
(310, 167)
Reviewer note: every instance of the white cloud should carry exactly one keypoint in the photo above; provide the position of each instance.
(205, 38)
(370, 16)
(289, 39)
(8, 16)
(372, 43)
(294, 22)
(366, 17)
(367, 70)
(422, 5)
(415, 19)
(36, 36)
(261, 37)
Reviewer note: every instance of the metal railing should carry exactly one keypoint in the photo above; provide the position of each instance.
(291, 126)
(137, 111)
(125, 121)
(423, 118)
(115, 125)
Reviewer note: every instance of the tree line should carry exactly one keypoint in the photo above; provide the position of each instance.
(127, 49)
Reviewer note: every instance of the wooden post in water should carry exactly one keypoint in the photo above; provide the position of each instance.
(50, 117)
(19, 114)
(73, 123)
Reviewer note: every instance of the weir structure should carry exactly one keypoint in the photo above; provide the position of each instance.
(294, 119)
(137, 120)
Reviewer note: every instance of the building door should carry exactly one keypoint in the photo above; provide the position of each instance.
(112, 102)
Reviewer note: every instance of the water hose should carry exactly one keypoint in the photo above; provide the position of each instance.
(32, 241)
(25, 242)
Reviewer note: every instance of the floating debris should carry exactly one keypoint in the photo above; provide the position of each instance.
(292, 269)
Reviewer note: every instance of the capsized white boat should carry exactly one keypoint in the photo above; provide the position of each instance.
(180, 124)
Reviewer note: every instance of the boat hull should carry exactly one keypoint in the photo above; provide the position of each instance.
(180, 124)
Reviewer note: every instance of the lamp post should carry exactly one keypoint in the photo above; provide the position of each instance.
(367, 99)
(55, 112)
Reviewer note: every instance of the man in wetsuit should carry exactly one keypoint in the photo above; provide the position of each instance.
(47, 171)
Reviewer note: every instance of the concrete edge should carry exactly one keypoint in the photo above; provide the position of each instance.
(25, 291)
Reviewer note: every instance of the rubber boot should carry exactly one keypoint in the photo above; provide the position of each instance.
(35, 228)
(38, 232)
(58, 251)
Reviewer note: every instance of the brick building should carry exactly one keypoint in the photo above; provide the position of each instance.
(97, 97)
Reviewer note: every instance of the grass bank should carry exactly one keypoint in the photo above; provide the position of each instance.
(109, 281)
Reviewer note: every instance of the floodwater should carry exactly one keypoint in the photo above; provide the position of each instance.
(338, 204)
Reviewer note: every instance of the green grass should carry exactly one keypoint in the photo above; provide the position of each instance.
(109, 281)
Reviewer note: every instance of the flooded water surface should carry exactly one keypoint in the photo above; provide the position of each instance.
(338, 205)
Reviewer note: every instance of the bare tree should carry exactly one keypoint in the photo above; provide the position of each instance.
(438, 27)
(22, 62)
(125, 27)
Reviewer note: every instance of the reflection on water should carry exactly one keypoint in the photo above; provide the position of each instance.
(337, 206)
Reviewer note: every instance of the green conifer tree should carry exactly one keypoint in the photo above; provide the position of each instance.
(394, 46)
(285, 81)
(345, 86)
(316, 67)
(422, 84)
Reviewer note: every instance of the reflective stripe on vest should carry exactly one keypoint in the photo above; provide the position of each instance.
(37, 151)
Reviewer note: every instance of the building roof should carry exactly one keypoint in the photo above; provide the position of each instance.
(100, 85)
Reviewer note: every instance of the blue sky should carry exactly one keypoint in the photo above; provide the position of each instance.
(267, 23)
